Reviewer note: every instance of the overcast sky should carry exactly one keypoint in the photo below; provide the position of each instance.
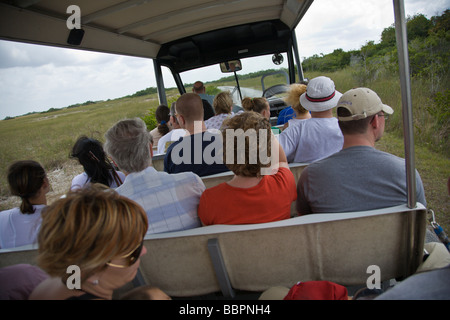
(36, 78)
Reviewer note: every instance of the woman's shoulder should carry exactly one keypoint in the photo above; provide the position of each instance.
(79, 181)
(5, 214)
(282, 173)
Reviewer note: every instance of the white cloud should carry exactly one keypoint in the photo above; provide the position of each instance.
(85, 77)
(349, 24)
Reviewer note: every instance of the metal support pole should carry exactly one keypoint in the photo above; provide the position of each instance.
(405, 84)
(160, 83)
(297, 57)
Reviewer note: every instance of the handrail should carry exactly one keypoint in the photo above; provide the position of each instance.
(405, 85)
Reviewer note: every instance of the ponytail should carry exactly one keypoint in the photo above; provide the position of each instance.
(163, 128)
(162, 115)
(26, 207)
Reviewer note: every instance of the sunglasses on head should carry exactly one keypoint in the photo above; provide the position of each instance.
(131, 258)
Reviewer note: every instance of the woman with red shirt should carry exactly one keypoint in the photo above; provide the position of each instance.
(250, 197)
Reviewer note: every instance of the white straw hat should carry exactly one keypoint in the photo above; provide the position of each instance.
(320, 95)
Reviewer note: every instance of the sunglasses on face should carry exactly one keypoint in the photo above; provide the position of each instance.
(131, 258)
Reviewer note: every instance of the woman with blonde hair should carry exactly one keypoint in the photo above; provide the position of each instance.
(20, 226)
(222, 104)
(250, 196)
(293, 99)
(93, 230)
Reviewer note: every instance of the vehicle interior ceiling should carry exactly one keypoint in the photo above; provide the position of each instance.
(234, 43)
(175, 34)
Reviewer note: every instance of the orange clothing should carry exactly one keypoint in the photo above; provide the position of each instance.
(268, 201)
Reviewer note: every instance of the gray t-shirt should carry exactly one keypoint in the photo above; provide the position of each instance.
(355, 179)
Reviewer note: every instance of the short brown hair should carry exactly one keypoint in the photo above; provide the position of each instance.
(88, 228)
(354, 126)
(247, 121)
(190, 106)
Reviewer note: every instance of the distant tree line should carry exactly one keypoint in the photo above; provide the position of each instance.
(428, 47)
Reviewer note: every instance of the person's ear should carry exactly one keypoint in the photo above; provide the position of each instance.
(374, 122)
(181, 121)
(46, 185)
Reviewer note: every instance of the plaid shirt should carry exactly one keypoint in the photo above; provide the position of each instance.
(170, 200)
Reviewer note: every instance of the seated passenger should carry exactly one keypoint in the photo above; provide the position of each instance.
(318, 137)
(259, 105)
(162, 115)
(249, 197)
(19, 280)
(97, 168)
(173, 135)
(195, 152)
(96, 231)
(285, 115)
(207, 100)
(20, 226)
(170, 201)
(293, 99)
(222, 106)
(358, 177)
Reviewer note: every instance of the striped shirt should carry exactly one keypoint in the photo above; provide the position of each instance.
(170, 200)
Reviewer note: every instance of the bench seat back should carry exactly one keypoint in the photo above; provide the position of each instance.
(337, 247)
(334, 247)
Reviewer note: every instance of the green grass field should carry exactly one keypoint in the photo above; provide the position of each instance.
(48, 137)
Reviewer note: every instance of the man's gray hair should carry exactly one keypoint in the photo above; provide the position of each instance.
(128, 144)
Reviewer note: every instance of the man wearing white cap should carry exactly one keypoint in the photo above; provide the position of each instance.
(359, 177)
(319, 136)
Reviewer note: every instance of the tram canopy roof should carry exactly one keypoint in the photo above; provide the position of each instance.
(182, 34)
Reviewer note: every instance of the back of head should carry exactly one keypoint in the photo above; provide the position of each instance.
(190, 106)
(293, 98)
(88, 228)
(254, 104)
(92, 157)
(356, 109)
(128, 144)
(223, 102)
(252, 129)
(25, 179)
(162, 115)
(198, 87)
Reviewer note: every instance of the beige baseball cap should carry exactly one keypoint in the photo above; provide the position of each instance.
(361, 103)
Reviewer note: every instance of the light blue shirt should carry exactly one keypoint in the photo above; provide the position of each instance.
(170, 200)
(311, 140)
